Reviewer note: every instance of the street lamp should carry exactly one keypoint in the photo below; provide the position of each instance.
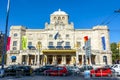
(39, 47)
(1, 45)
(118, 47)
(5, 36)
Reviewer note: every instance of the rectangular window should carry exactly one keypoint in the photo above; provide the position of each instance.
(14, 48)
(14, 43)
(29, 43)
(50, 43)
(78, 44)
(67, 43)
(50, 36)
(58, 43)
(67, 35)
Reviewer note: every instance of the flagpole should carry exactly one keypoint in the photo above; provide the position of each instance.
(5, 37)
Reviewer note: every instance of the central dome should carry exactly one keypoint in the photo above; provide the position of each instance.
(59, 12)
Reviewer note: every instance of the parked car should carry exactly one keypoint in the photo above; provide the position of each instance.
(10, 70)
(14, 70)
(116, 68)
(73, 69)
(57, 71)
(85, 67)
(25, 70)
(42, 69)
(99, 72)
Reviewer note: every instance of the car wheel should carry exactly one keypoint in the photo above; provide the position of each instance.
(109, 75)
(47, 74)
(64, 74)
(93, 75)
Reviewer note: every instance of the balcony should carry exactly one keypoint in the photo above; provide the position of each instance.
(67, 47)
(59, 47)
(14, 51)
(51, 47)
(31, 48)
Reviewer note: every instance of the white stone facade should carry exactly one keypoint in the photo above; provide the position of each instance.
(66, 48)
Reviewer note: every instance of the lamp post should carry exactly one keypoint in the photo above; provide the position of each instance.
(39, 46)
(118, 47)
(5, 36)
(1, 45)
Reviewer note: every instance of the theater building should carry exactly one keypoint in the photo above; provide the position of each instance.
(58, 43)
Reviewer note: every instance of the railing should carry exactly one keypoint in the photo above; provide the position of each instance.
(59, 47)
(14, 51)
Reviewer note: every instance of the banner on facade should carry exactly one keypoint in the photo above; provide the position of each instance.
(24, 42)
(56, 35)
(103, 43)
(8, 43)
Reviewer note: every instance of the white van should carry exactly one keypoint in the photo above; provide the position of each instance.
(116, 68)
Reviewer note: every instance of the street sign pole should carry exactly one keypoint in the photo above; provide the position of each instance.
(5, 37)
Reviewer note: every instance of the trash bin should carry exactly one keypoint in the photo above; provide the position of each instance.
(86, 74)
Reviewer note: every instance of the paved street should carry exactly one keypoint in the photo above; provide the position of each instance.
(57, 78)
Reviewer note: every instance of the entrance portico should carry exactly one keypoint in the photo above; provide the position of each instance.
(59, 56)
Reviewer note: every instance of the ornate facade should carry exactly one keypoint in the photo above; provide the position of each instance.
(58, 43)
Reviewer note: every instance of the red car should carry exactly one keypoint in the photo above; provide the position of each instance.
(57, 71)
(99, 72)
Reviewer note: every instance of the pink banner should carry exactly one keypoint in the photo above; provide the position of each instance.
(8, 43)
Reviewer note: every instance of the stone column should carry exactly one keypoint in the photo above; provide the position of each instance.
(28, 59)
(77, 55)
(63, 59)
(54, 59)
(46, 59)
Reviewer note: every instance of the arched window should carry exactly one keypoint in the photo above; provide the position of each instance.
(55, 18)
(15, 35)
(14, 43)
(63, 18)
(59, 18)
(105, 59)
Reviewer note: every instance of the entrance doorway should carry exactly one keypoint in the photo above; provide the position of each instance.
(80, 59)
(68, 59)
(31, 59)
(93, 59)
(49, 59)
(24, 59)
(59, 59)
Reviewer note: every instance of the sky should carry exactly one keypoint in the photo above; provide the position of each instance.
(85, 14)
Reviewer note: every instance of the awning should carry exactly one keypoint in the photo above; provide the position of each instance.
(59, 51)
(13, 57)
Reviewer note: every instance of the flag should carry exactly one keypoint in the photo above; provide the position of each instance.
(24, 42)
(8, 43)
(56, 36)
(103, 43)
(85, 38)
